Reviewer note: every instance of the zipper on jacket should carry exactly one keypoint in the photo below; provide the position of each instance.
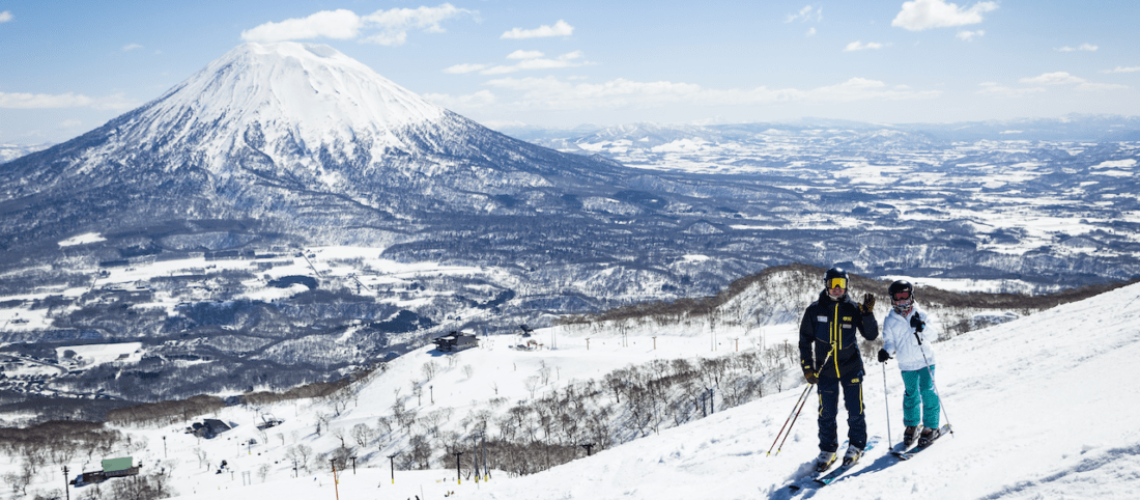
(836, 339)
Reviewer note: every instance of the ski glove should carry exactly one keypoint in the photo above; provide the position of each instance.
(868, 304)
(810, 376)
(883, 355)
(917, 323)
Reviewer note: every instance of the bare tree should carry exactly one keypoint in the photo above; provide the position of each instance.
(20, 479)
(202, 457)
(303, 454)
(384, 424)
(430, 369)
(531, 384)
(263, 472)
(362, 434)
(339, 433)
(150, 487)
(469, 371)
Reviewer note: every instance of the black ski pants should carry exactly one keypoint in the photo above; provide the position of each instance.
(829, 409)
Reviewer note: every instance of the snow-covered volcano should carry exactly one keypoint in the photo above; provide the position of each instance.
(295, 97)
(300, 138)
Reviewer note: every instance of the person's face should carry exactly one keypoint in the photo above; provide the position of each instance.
(836, 287)
(902, 302)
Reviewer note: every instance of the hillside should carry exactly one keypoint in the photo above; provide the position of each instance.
(1028, 400)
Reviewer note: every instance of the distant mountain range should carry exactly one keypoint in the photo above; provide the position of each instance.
(1069, 128)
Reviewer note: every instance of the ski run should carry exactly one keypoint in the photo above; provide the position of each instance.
(1045, 406)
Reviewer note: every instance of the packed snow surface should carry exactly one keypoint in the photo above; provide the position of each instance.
(1042, 407)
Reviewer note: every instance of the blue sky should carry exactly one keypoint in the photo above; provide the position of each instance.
(67, 67)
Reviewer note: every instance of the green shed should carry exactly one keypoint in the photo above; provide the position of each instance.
(113, 467)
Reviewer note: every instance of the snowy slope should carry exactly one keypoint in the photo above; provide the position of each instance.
(299, 96)
(1042, 407)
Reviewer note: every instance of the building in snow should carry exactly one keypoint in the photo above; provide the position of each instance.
(456, 341)
(112, 467)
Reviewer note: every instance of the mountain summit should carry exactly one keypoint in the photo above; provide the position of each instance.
(298, 97)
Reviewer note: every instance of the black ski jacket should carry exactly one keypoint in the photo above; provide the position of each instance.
(831, 325)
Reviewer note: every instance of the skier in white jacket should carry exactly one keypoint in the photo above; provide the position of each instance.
(907, 335)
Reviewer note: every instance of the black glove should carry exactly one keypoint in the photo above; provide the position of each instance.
(883, 356)
(868, 306)
(810, 376)
(917, 323)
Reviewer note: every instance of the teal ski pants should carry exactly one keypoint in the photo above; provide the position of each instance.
(920, 402)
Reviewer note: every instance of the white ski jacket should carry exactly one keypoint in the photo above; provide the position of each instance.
(899, 341)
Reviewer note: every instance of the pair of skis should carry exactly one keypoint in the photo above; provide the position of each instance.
(904, 453)
(900, 451)
(821, 479)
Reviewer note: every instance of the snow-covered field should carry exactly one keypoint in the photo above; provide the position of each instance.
(1042, 408)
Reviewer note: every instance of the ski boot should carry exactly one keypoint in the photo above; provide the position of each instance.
(928, 437)
(824, 460)
(909, 435)
(853, 454)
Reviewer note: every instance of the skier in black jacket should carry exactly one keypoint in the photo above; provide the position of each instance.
(829, 356)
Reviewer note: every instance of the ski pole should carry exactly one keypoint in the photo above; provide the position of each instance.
(797, 417)
(798, 410)
(802, 394)
(888, 404)
(941, 404)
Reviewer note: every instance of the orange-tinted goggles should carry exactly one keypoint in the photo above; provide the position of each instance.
(837, 282)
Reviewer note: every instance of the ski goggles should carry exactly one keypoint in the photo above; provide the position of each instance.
(904, 304)
(837, 282)
(901, 296)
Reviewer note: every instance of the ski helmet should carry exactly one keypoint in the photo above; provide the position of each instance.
(835, 277)
(902, 296)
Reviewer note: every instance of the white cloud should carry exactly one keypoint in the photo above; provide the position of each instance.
(5, 16)
(560, 28)
(1055, 78)
(524, 54)
(810, 32)
(459, 69)
(71, 124)
(479, 99)
(1085, 47)
(553, 94)
(386, 27)
(1064, 78)
(24, 100)
(1095, 87)
(970, 35)
(395, 23)
(340, 24)
(858, 45)
(529, 61)
(130, 47)
(919, 15)
(808, 13)
(991, 88)
(1122, 69)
